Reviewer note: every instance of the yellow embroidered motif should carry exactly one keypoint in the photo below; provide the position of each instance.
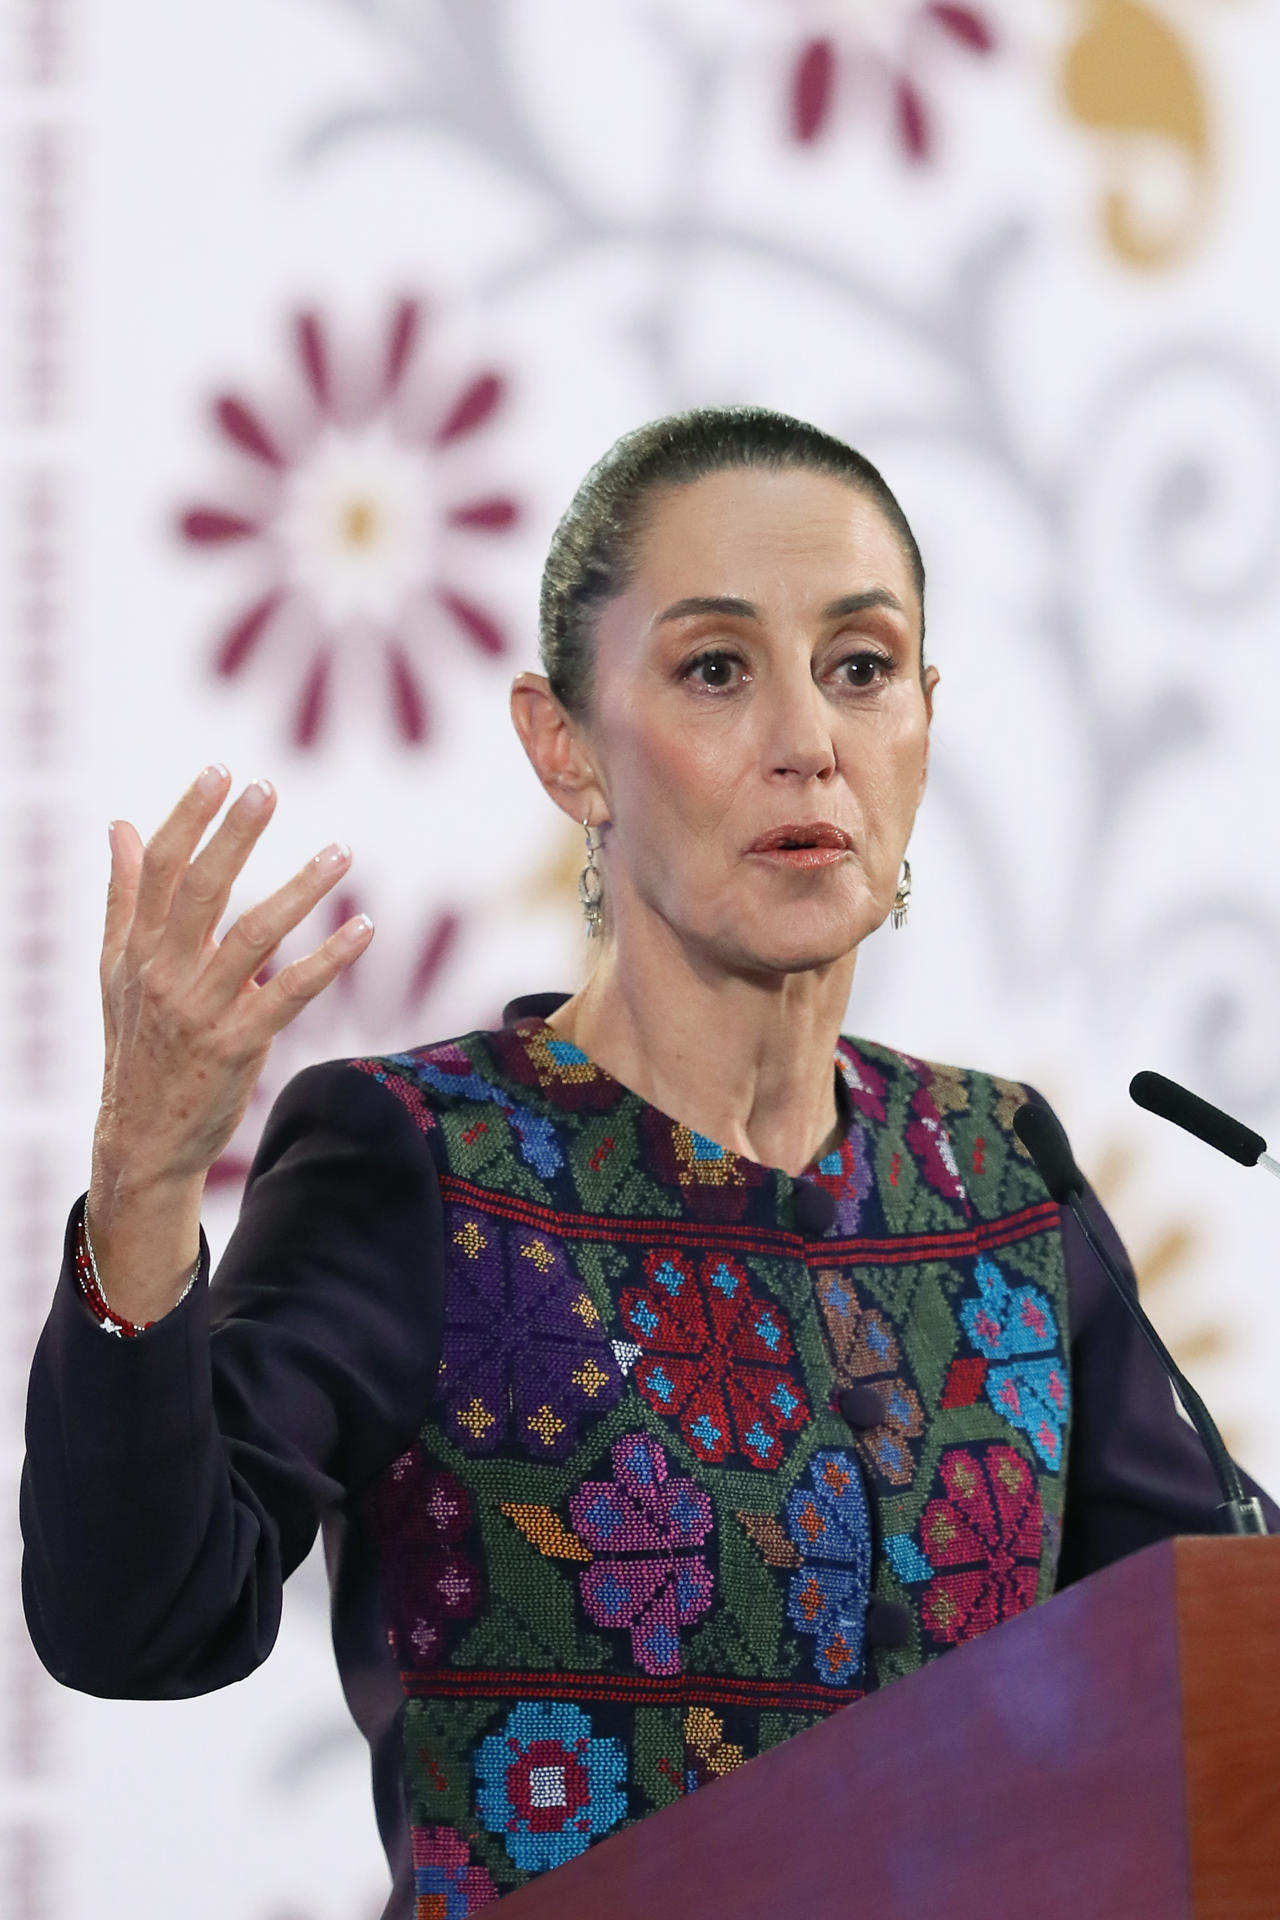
(585, 1311)
(590, 1378)
(704, 1733)
(470, 1239)
(476, 1418)
(539, 1252)
(547, 1427)
(547, 1533)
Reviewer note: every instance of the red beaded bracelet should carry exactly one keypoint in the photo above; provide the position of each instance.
(96, 1299)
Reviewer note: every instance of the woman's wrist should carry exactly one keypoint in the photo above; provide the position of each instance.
(142, 1242)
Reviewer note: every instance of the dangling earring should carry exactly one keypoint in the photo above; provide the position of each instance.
(591, 885)
(902, 899)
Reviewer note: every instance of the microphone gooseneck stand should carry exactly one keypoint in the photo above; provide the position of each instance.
(1042, 1136)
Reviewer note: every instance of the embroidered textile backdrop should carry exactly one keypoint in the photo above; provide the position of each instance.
(316, 310)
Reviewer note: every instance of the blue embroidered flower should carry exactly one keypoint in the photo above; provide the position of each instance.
(547, 1786)
(1006, 1321)
(829, 1524)
(1034, 1397)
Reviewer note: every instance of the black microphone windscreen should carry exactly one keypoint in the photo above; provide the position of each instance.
(1188, 1110)
(1040, 1132)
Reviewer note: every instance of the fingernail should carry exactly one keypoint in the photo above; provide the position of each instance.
(111, 836)
(212, 778)
(335, 856)
(356, 929)
(257, 795)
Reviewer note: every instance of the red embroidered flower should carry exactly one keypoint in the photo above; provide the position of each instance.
(354, 511)
(715, 1358)
(990, 1531)
(826, 65)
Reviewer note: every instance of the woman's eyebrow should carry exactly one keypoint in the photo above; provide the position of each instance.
(744, 610)
(713, 603)
(861, 602)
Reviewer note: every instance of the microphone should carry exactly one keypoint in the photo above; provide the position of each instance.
(1210, 1124)
(1041, 1134)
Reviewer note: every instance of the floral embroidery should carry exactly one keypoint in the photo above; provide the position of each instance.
(447, 1883)
(547, 1786)
(534, 1054)
(865, 1348)
(989, 1531)
(713, 1182)
(1032, 1395)
(708, 1755)
(423, 1515)
(643, 1528)
(846, 1175)
(831, 1530)
(519, 1360)
(866, 1085)
(715, 1358)
(535, 1135)
(930, 1143)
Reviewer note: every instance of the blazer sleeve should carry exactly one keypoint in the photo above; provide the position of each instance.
(173, 1481)
(1136, 1470)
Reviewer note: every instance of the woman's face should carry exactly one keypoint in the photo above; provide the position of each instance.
(759, 728)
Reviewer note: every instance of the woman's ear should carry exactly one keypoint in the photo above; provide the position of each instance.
(556, 749)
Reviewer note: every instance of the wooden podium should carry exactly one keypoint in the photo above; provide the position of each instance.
(1111, 1755)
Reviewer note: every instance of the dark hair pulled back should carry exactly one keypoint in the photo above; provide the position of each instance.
(593, 550)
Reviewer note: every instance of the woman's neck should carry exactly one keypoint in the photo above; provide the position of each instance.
(746, 1061)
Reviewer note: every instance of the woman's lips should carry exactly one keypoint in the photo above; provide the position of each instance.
(801, 856)
(817, 844)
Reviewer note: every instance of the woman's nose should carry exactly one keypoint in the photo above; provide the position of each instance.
(800, 744)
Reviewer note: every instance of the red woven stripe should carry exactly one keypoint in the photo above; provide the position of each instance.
(900, 1251)
(626, 1689)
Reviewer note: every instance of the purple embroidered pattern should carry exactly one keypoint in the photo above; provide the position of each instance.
(716, 1358)
(423, 1515)
(525, 1358)
(644, 1529)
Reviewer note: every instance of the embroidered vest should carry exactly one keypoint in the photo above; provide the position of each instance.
(638, 1541)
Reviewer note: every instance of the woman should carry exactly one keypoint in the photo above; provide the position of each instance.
(661, 1386)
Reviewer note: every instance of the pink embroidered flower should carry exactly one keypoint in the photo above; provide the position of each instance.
(355, 511)
(850, 59)
(447, 1884)
(643, 1528)
(989, 1531)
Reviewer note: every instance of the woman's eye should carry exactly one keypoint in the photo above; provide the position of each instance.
(716, 670)
(863, 669)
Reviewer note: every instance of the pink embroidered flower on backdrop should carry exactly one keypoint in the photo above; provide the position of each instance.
(355, 511)
(881, 49)
(644, 1529)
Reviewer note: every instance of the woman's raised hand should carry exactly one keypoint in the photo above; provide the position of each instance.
(187, 1026)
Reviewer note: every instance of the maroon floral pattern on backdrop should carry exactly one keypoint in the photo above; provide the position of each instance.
(349, 509)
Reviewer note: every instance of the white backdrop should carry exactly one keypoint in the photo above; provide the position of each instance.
(314, 313)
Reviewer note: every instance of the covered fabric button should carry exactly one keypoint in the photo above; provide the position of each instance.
(861, 1406)
(815, 1208)
(888, 1623)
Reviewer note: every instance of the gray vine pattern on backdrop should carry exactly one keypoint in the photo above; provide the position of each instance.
(448, 72)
